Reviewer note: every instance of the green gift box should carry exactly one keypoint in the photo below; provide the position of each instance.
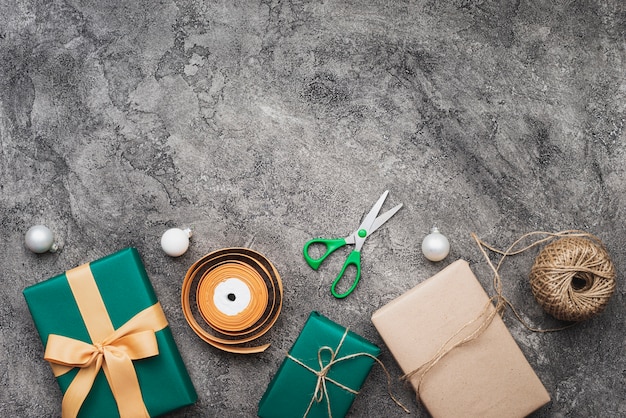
(121, 284)
(321, 374)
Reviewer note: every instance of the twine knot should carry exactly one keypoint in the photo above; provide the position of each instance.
(321, 390)
(322, 375)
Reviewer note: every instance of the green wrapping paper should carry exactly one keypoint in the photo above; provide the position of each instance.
(126, 290)
(293, 389)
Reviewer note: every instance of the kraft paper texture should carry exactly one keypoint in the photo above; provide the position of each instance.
(487, 377)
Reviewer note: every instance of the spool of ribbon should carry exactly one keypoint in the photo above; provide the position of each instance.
(232, 297)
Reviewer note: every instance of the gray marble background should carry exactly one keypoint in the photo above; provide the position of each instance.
(264, 124)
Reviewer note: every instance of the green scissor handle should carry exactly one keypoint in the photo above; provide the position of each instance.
(330, 246)
(354, 259)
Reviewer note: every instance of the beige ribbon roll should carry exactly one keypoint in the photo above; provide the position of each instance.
(232, 297)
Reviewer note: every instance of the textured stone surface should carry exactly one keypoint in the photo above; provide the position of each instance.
(264, 124)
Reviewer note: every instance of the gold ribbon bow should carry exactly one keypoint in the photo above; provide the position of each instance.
(112, 350)
(321, 391)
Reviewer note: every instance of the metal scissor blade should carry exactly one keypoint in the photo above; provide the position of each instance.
(383, 218)
(373, 213)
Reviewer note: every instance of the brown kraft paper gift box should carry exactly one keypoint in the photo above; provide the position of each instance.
(487, 377)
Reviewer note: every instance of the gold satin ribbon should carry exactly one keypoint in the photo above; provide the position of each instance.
(232, 333)
(112, 350)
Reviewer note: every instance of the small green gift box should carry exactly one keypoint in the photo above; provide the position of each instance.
(322, 373)
(108, 342)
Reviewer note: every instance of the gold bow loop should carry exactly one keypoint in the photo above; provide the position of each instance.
(113, 351)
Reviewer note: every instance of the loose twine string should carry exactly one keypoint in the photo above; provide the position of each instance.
(576, 257)
(321, 391)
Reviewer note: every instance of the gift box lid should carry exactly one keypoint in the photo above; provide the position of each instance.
(126, 290)
(487, 377)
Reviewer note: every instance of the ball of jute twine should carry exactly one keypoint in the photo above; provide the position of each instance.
(573, 278)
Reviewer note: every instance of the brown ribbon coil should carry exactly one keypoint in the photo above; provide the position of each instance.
(208, 309)
(573, 278)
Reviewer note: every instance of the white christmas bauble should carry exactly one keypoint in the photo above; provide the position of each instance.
(39, 239)
(435, 246)
(175, 241)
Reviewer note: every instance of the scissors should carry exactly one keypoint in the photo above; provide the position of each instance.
(370, 224)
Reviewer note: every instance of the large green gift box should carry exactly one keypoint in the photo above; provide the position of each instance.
(321, 374)
(120, 285)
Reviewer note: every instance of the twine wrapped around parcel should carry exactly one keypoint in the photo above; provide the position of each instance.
(321, 393)
(572, 278)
